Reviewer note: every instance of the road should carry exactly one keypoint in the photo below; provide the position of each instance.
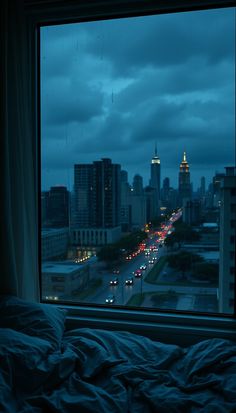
(123, 292)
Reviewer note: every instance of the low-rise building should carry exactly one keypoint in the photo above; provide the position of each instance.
(63, 280)
(95, 236)
(54, 243)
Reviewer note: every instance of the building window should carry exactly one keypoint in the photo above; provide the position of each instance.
(233, 223)
(232, 255)
(104, 84)
(232, 286)
(233, 208)
(232, 270)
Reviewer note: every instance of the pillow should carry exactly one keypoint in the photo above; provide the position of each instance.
(22, 360)
(34, 319)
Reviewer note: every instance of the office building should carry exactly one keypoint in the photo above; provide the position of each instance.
(155, 181)
(227, 241)
(58, 207)
(54, 243)
(97, 203)
(184, 181)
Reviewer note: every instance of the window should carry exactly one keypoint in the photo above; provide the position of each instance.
(233, 223)
(119, 104)
(233, 208)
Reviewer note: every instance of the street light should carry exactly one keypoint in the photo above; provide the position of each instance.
(141, 285)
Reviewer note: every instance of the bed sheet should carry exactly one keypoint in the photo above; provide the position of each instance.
(102, 371)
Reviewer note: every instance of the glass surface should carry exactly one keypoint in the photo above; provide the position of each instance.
(137, 148)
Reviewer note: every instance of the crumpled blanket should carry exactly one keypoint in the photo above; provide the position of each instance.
(102, 371)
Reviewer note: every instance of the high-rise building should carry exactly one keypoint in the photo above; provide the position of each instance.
(192, 212)
(227, 241)
(217, 179)
(125, 202)
(138, 185)
(138, 203)
(97, 189)
(203, 187)
(184, 181)
(44, 208)
(155, 181)
(58, 207)
(106, 200)
(165, 192)
(83, 187)
(150, 197)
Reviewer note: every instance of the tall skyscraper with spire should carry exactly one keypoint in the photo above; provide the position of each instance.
(184, 181)
(155, 181)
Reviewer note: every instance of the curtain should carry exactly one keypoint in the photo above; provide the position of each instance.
(18, 229)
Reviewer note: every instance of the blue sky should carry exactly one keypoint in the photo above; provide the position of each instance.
(115, 88)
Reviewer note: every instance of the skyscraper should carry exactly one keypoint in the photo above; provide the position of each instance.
(155, 181)
(58, 206)
(203, 186)
(106, 199)
(82, 195)
(97, 194)
(138, 185)
(184, 181)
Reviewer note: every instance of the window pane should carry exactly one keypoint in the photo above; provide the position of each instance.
(137, 149)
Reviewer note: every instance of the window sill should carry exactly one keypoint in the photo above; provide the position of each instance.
(180, 329)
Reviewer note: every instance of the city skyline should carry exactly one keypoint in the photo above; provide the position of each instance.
(148, 182)
(113, 89)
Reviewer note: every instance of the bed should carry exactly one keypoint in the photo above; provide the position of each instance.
(45, 368)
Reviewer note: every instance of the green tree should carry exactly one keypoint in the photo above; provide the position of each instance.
(183, 261)
(206, 271)
(184, 233)
(113, 253)
(170, 240)
(109, 253)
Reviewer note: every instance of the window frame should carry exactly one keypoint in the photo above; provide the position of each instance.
(178, 328)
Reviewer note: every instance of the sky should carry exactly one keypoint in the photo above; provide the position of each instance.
(116, 88)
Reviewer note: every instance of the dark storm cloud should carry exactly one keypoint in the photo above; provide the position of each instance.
(164, 41)
(114, 88)
(72, 101)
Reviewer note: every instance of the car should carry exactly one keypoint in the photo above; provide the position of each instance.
(138, 273)
(129, 281)
(143, 267)
(115, 281)
(116, 271)
(110, 299)
(151, 261)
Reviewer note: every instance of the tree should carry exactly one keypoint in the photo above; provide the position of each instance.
(183, 261)
(170, 240)
(184, 232)
(156, 222)
(108, 253)
(206, 271)
(113, 252)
